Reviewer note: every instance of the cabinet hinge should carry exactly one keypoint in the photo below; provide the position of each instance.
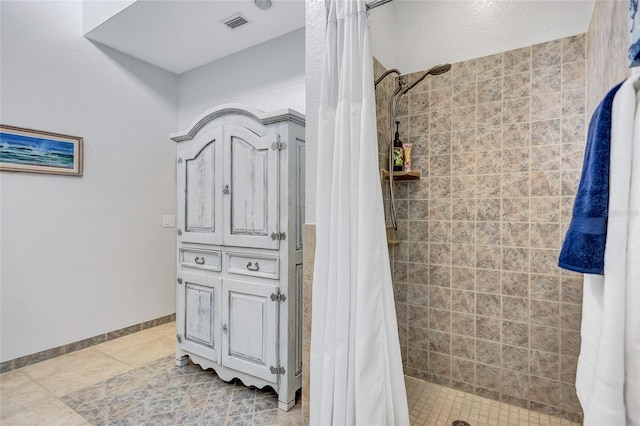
(179, 338)
(277, 370)
(278, 145)
(278, 297)
(278, 236)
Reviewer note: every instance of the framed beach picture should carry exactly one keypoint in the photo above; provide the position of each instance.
(35, 151)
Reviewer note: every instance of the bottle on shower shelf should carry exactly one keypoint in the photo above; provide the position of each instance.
(398, 157)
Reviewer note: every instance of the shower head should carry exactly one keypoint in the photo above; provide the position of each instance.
(437, 70)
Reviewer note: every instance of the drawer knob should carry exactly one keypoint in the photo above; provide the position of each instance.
(253, 268)
(199, 260)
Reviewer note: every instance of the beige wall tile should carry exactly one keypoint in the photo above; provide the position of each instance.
(546, 54)
(417, 103)
(518, 60)
(516, 384)
(488, 139)
(463, 118)
(500, 142)
(463, 324)
(516, 110)
(462, 370)
(515, 284)
(515, 333)
(574, 48)
(463, 72)
(546, 80)
(545, 132)
(545, 106)
(489, 66)
(489, 114)
(488, 281)
(516, 85)
(574, 75)
(489, 90)
(515, 359)
(463, 140)
(573, 102)
(464, 94)
(545, 287)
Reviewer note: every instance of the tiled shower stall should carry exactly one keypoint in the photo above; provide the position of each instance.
(481, 305)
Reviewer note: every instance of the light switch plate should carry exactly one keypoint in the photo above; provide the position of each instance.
(168, 221)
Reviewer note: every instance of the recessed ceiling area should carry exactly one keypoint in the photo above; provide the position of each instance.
(181, 35)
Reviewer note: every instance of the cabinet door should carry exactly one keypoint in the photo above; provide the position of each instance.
(251, 179)
(199, 311)
(250, 328)
(200, 189)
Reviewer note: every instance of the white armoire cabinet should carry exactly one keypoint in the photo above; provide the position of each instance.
(240, 197)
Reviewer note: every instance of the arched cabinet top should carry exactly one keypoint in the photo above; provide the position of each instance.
(260, 117)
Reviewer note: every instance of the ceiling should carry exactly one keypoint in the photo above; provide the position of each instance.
(413, 35)
(181, 35)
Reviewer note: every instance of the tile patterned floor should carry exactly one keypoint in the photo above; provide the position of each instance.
(162, 394)
(133, 381)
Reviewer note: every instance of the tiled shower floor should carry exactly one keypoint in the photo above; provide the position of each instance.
(133, 381)
(435, 405)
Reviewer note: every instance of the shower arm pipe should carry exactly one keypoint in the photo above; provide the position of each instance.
(383, 76)
(375, 3)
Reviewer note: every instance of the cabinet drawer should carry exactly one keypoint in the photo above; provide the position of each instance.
(256, 265)
(201, 259)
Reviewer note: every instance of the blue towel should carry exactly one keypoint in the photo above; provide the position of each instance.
(583, 248)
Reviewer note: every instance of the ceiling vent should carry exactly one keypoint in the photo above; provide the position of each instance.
(235, 21)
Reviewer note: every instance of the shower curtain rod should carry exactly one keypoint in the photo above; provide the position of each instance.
(375, 3)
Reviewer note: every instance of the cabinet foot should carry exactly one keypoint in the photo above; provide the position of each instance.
(181, 361)
(286, 406)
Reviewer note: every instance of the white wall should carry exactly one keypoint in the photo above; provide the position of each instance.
(383, 34)
(315, 26)
(83, 255)
(434, 32)
(269, 76)
(95, 13)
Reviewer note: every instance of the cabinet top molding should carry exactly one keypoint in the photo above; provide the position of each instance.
(238, 109)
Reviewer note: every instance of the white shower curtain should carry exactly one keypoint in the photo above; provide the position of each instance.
(356, 367)
(608, 375)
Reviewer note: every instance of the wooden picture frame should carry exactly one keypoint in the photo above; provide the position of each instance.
(36, 151)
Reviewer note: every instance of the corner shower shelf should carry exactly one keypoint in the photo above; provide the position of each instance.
(399, 176)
